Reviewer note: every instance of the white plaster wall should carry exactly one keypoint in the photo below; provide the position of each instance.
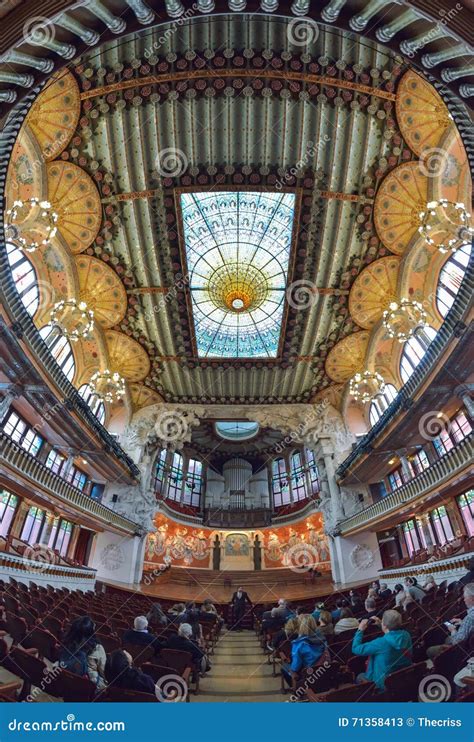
(346, 549)
(117, 558)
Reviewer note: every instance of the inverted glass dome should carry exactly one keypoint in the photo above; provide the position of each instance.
(232, 430)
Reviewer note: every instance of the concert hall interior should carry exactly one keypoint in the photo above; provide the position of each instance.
(236, 378)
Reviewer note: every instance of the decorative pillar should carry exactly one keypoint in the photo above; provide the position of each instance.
(71, 547)
(455, 73)
(411, 46)
(406, 468)
(10, 392)
(330, 13)
(431, 60)
(402, 542)
(425, 527)
(87, 35)
(67, 466)
(360, 21)
(19, 518)
(327, 461)
(386, 33)
(46, 529)
(456, 519)
(465, 393)
(28, 60)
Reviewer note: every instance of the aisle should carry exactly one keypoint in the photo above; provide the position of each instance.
(240, 672)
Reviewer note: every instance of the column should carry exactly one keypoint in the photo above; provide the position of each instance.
(19, 519)
(73, 541)
(406, 468)
(10, 392)
(455, 517)
(46, 529)
(465, 393)
(425, 526)
(325, 460)
(402, 542)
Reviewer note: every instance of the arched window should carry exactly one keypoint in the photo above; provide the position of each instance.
(160, 472)
(95, 403)
(24, 275)
(414, 350)
(313, 472)
(175, 478)
(381, 402)
(60, 348)
(280, 486)
(193, 483)
(450, 279)
(298, 479)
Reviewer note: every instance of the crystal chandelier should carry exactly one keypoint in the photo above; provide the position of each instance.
(109, 386)
(73, 318)
(31, 223)
(403, 318)
(445, 225)
(367, 385)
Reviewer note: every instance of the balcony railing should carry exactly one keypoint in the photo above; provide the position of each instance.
(29, 570)
(457, 459)
(24, 463)
(252, 518)
(427, 363)
(436, 568)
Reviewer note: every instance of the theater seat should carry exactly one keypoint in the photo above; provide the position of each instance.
(402, 685)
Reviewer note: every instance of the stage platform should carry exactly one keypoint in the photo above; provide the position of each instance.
(266, 586)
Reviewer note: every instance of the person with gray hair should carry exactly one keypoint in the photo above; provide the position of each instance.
(387, 653)
(370, 607)
(183, 642)
(140, 635)
(460, 631)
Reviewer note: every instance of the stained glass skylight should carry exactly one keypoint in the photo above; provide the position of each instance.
(235, 430)
(237, 250)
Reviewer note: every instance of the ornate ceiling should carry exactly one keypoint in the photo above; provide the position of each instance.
(238, 106)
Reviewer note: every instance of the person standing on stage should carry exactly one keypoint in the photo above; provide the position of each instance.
(238, 603)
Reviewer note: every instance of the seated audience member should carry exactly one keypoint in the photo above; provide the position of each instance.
(355, 602)
(317, 610)
(140, 635)
(370, 606)
(387, 653)
(289, 631)
(460, 631)
(372, 593)
(306, 649)
(469, 576)
(156, 616)
(401, 597)
(340, 604)
(81, 652)
(413, 589)
(325, 624)
(191, 616)
(120, 673)
(384, 592)
(277, 616)
(209, 607)
(175, 610)
(346, 622)
(183, 641)
(429, 584)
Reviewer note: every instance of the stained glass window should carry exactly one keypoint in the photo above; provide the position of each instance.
(280, 485)
(414, 350)
(237, 250)
(25, 278)
(450, 279)
(237, 431)
(94, 402)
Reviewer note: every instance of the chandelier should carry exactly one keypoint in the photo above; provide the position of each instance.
(73, 318)
(366, 386)
(403, 318)
(109, 386)
(445, 225)
(31, 223)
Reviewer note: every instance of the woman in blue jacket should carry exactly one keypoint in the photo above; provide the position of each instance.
(306, 649)
(387, 653)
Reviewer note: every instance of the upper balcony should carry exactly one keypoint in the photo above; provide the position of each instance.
(21, 466)
(454, 466)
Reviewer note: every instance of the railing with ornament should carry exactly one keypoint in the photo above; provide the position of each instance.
(22, 462)
(458, 458)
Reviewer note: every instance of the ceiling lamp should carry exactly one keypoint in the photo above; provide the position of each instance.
(403, 318)
(367, 385)
(31, 223)
(73, 318)
(445, 225)
(109, 386)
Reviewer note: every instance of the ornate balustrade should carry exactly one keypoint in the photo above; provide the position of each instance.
(449, 569)
(22, 462)
(451, 463)
(40, 572)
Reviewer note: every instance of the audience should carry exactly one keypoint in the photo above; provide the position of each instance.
(459, 631)
(325, 624)
(384, 591)
(429, 584)
(120, 673)
(140, 635)
(469, 576)
(183, 641)
(81, 652)
(387, 653)
(370, 606)
(401, 597)
(346, 622)
(289, 631)
(413, 589)
(340, 604)
(156, 615)
(277, 616)
(356, 602)
(307, 649)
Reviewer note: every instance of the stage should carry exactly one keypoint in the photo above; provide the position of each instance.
(181, 584)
